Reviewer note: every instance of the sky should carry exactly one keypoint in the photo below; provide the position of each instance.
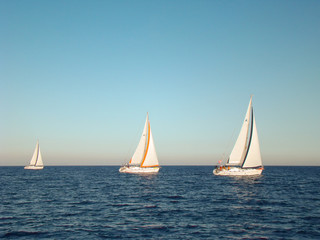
(80, 76)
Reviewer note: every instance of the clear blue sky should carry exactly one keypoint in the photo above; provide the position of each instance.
(80, 76)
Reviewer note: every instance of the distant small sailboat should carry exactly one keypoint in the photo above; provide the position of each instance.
(36, 160)
(245, 158)
(145, 159)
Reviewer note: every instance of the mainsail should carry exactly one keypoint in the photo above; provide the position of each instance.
(151, 159)
(253, 158)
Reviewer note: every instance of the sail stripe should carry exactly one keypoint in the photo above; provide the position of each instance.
(251, 130)
(150, 166)
(146, 152)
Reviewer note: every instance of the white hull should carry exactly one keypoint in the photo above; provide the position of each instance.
(126, 169)
(237, 171)
(33, 167)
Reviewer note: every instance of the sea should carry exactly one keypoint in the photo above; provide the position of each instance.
(180, 202)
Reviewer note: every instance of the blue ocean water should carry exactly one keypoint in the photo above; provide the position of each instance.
(177, 203)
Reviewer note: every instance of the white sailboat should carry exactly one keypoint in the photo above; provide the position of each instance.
(36, 160)
(145, 159)
(245, 158)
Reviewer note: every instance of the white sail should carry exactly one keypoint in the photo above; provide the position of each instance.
(35, 155)
(239, 149)
(253, 158)
(151, 159)
(139, 153)
(39, 160)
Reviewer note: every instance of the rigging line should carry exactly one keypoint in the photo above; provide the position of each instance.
(131, 148)
(227, 146)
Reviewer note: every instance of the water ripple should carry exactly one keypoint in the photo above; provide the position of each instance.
(176, 203)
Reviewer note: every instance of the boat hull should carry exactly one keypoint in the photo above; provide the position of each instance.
(33, 167)
(126, 169)
(237, 171)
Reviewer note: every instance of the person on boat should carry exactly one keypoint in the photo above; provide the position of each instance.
(219, 165)
(126, 165)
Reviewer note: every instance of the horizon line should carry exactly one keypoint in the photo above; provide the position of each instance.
(188, 165)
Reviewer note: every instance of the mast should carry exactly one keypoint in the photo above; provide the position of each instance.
(249, 144)
(37, 154)
(39, 159)
(147, 147)
(150, 158)
(253, 157)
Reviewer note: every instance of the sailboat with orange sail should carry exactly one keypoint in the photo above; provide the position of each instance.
(144, 159)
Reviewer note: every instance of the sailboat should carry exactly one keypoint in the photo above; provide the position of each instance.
(36, 160)
(245, 158)
(145, 159)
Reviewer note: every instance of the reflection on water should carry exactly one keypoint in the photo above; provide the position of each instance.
(245, 185)
(147, 176)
